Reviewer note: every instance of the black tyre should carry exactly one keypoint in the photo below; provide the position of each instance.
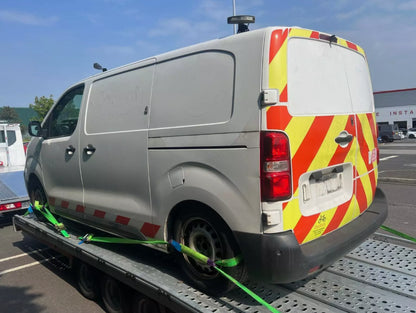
(36, 193)
(411, 136)
(87, 281)
(115, 295)
(143, 304)
(202, 230)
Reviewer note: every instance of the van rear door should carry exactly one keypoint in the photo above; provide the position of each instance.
(326, 109)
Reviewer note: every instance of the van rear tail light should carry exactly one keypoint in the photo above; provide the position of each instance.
(275, 167)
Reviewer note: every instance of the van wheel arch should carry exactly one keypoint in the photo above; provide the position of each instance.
(183, 207)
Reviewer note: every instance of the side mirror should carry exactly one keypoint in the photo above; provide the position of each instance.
(35, 129)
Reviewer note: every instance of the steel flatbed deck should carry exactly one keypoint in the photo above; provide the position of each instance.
(378, 276)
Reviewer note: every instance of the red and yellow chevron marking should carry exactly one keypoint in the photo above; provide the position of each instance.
(313, 146)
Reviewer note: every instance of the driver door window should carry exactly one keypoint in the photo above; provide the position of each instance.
(64, 117)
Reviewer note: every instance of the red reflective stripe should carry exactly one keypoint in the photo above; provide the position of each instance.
(315, 35)
(310, 146)
(64, 204)
(52, 201)
(276, 42)
(149, 230)
(283, 95)
(352, 46)
(338, 217)
(122, 220)
(360, 195)
(341, 153)
(373, 127)
(278, 117)
(99, 214)
(364, 149)
(80, 209)
(373, 181)
(304, 226)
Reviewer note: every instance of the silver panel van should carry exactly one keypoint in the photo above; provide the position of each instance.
(261, 145)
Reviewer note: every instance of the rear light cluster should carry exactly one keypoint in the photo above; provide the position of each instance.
(10, 206)
(275, 169)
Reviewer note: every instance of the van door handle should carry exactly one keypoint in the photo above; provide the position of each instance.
(70, 150)
(89, 149)
(344, 138)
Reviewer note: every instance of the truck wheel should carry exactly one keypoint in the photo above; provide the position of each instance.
(203, 231)
(87, 280)
(114, 295)
(143, 304)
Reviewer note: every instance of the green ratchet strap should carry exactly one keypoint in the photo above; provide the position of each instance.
(191, 253)
(48, 215)
(397, 233)
(248, 291)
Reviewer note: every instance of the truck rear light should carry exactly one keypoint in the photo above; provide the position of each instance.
(10, 206)
(276, 178)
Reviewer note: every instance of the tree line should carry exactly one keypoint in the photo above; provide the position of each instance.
(41, 106)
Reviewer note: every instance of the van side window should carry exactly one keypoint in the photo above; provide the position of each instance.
(11, 137)
(64, 117)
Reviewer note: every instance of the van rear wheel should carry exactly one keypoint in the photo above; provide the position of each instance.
(205, 232)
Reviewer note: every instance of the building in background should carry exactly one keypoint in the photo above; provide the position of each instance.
(397, 107)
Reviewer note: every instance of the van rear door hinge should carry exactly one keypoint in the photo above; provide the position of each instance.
(269, 97)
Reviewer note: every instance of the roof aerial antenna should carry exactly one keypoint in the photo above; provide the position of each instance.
(242, 21)
(97, 66)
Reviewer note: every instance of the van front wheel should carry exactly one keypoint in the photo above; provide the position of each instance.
(204, 232)
(36, 193)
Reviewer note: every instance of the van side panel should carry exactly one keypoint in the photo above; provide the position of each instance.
(204, 132)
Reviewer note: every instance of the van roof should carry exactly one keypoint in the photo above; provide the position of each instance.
(211, 44)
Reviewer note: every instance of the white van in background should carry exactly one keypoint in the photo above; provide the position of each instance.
(12, 154)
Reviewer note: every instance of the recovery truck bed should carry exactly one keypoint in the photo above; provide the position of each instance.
(13, 194)
(378, 276)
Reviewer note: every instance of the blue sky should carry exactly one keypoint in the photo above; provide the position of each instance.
(48, 45)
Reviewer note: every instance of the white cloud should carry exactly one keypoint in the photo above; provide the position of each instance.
(26, 18)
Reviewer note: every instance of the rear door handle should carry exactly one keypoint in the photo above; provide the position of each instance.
(89, 149)
(344, 138)
(70, 150)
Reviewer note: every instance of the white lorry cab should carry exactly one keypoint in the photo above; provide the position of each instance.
(261, 145)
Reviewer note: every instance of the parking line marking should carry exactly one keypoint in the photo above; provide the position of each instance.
(14, 269)
(22, 255)
(389, 157)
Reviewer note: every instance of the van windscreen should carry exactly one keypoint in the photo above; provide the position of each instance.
(326, 78)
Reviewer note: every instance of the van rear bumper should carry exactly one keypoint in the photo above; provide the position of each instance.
(278, 258)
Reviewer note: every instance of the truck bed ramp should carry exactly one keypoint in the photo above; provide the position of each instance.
(378, 276)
